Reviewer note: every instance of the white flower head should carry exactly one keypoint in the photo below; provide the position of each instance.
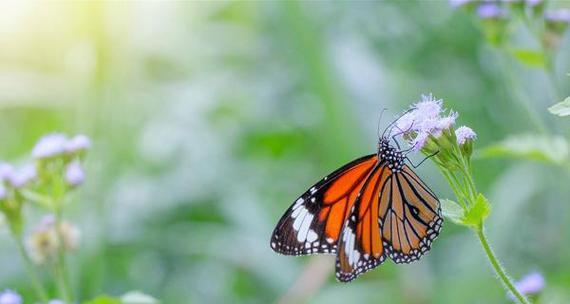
(23, 176)
(404, 124)
(533, 3)
(463, 134)
(558, 16)
(459, 3)
(78, 143)
(426, 117)
(6, 171)
(74, 174)
(447, 122)
(419, 141)
(71, 235)
(428, 107)
(43, 242)
(532, 283)
(10, 297)
(49, 146)
(491, 10)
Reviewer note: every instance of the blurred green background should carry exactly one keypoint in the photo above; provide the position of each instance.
(209, 119)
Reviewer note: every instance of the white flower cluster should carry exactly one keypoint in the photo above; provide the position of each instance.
(428, 118)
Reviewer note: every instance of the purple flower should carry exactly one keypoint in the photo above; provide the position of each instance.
(23, 176)
(558, 16)
(6, 171)
(422, 116)
(49, 146)
(533, 3)
(463, 134)
(428, 107)
(419, 141)
(532, 283)
(446, 122)
(424, 119)
(459, 3)
(10, 297)
(78, 143)
(74, 174)
(490, 11)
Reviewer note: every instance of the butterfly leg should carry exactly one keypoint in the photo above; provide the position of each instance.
(426, 158)
(400, 133)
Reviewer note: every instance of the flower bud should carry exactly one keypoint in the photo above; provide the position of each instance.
(6, 171)
(74, 174)
(78, 143)
(10, 297)
(43, 243)
(49, 146)
(556, 22)
(465, 137)
(23, 176)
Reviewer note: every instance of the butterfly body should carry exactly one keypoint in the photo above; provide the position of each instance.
(372, 208)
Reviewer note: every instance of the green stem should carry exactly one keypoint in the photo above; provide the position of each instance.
(61, 273)
(39, 288)
(455, 188)
(499, 270)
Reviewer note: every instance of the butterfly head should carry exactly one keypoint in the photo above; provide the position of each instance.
(387, 153)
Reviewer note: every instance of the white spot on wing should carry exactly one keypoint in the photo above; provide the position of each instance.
(298, 202)
(299, 219)
(311, 236)
(302, 235)
(296, 212)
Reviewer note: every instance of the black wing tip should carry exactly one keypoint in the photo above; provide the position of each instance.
(347, 277)
(399, 257)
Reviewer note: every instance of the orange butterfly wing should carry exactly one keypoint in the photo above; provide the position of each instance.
(410, 216)
(361, 247)
(363, 212)
(314, 222)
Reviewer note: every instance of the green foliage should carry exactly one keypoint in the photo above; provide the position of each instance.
(476, 214)
(529, 57)
(137, 297)
(549, 149)
(132, 297)
(562, 108)
(104, 300)
(452, 211)
(472, 216)
(208, 119)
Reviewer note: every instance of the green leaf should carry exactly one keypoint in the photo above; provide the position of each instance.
(529, 57)
(452, 211)
(137, 297)
(562, 108)
(104, 300)
(549, 149)
(477, 213)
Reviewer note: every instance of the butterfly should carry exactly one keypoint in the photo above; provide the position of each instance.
(371, 208)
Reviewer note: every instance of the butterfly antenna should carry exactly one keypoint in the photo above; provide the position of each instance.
(396, 120)
(379, 120)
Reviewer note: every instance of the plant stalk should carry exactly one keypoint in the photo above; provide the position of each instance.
(61, 273)
(499, 270)
(36, 283)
